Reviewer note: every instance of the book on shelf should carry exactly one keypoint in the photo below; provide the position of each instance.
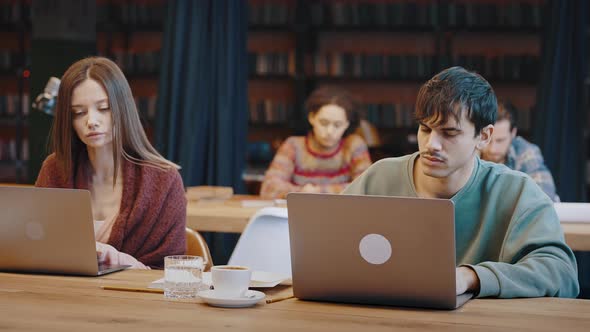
(504, 67)
(271, 63)
(147, 107)
(386, 66)
(271, 13)
(147, 63)
(131, 13)
(269, 111)
(453, 14)
(14, 12)
(11, 59)
(389, 115)
(8, 148)
(515, 14)
(374, 13)
(9, 104)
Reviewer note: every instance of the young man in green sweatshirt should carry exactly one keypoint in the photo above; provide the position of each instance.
(509, 242)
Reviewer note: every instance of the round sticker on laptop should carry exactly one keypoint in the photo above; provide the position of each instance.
(34, 230)
(375, 249)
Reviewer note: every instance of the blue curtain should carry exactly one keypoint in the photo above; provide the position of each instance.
(202, 97)
(561, 114)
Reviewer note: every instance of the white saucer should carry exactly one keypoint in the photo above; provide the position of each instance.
(249, 299)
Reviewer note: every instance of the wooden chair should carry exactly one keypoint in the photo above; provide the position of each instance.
(197, 246)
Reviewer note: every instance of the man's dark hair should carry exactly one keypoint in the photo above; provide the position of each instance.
(507, 111)
(453, 91)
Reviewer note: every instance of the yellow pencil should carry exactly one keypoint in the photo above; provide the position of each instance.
(277, 299)
(133, 289)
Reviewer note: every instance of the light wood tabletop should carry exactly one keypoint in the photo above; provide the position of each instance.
(59, 303)
(577, 235)
(230, 216)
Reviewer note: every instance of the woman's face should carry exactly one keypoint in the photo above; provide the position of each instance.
(91, 114)
(329, 124)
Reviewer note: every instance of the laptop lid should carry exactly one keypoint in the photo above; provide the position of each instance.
(48, 230)
(373, 249)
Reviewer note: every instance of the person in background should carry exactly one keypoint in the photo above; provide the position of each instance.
(517, 153)
(98, 143)
(325, 160)
(509, 242)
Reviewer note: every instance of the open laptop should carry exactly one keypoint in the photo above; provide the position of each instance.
(374, 250)
(48, 230)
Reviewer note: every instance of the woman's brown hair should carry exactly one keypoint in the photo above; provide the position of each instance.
(129, 138)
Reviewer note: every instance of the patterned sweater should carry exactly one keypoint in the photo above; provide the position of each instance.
(152, 216)
(526, 157)
(296, 164)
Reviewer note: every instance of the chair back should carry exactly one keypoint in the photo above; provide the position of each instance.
(197, 246)
(264, 244)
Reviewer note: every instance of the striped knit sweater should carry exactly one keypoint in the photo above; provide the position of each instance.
(297, 163)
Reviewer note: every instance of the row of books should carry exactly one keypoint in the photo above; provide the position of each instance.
(270, 111)
(374, 14)
(132, 13)
(374, 65)
(8, 149)
(271, 63)
(382, 115)
(14, 12)
(132, 63)
(9, 104)
(10, 59)
(270, 13)
(519, 14)
(147, 107)
(508, 67)
(389, 115)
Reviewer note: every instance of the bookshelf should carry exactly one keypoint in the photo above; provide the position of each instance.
(15, 44)
(382, 51)
(130, 33)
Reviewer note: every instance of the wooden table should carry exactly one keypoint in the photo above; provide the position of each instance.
(222, 215)
(231, 217)
(57, 303)
(577, 235)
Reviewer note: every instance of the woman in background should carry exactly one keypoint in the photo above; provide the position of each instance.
(328, 158)
(98, 143)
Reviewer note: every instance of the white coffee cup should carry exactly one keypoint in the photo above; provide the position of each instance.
(230, 280)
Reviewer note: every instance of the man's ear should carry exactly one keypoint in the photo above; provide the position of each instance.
(485, 136)
(513, 132)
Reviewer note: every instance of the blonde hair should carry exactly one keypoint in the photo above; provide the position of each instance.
(129, 139)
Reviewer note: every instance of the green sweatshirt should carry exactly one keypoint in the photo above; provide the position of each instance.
(506, 228)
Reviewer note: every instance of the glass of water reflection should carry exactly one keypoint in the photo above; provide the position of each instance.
(182, 276)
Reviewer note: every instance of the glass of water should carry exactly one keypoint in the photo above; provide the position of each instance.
(182, 276)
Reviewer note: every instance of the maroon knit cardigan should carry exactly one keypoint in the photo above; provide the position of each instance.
(152, 216)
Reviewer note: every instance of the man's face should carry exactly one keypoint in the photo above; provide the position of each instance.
(446, 150)
(498, 148)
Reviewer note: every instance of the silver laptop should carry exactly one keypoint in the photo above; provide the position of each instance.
(374, 250)
(48, 230)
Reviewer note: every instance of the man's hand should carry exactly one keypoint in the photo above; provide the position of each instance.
(467, 280)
